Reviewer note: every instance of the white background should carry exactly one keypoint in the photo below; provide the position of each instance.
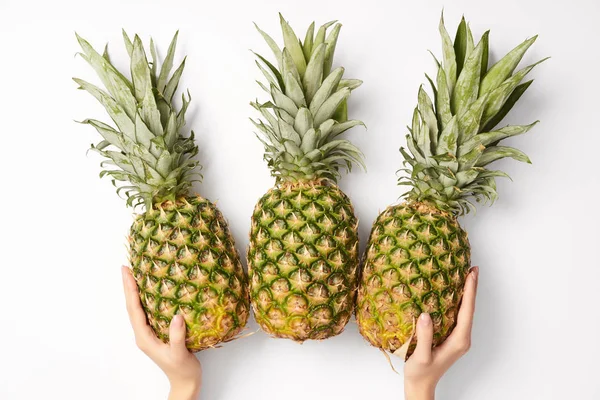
(64, 331)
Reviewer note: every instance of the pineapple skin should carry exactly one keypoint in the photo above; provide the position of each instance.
(417, 260)
(303, 261)
(184, 260)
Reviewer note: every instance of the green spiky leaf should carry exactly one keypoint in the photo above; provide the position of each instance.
(301, 126)
(452, 138)
(154, 162)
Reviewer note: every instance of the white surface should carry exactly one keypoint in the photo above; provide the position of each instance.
(64, 331)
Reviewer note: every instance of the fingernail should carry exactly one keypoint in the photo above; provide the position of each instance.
(474, 273)
(126, 273)
(424, 319)
(177, 321)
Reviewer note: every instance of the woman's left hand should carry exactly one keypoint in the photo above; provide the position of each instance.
(181, 367)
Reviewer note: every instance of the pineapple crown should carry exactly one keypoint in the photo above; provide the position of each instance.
(308, 108)
(146, 156)
(453, 138)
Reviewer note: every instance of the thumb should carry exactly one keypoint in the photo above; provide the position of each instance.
(422, 353)
(177, 337)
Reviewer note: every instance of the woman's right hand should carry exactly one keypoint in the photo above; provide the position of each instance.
(426, 366)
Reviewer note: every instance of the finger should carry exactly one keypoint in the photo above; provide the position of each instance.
(422, 353)
(143, 333)
(460, 339)
(177, 337)
(464, 322)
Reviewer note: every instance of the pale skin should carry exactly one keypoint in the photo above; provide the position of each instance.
(422, 370)
(181, 367)
(426, 366)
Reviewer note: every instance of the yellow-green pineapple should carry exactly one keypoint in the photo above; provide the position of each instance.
(181, 252)
(303, 253)
(418, 256)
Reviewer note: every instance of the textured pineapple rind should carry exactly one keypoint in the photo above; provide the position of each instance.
(303, 261)
(184, 260)
(416, 261)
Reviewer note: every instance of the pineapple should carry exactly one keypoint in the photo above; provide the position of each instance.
(418, 255)
(181, 252)
(303, 252)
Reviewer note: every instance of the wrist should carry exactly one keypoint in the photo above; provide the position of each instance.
(189, 390)
(419, 391)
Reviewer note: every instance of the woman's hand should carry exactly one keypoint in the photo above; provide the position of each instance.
(426, 366)
(181, 367)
